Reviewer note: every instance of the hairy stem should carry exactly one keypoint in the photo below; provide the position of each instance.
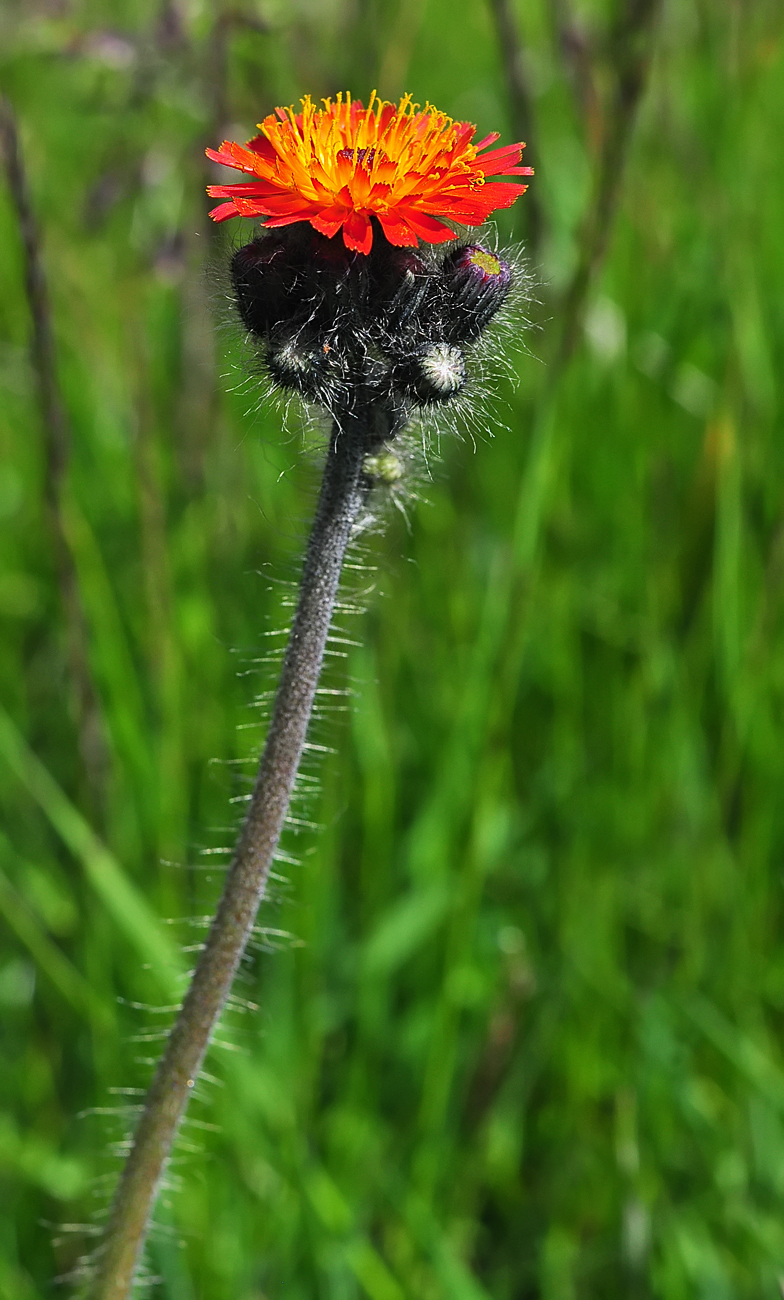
(342, 492)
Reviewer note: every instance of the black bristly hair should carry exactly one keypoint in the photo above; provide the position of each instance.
(398, 320)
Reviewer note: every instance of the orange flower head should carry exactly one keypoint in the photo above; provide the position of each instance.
(339, 166)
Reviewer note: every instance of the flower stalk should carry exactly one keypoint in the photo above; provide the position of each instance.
(343, 488)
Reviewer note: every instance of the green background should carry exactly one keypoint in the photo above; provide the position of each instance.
(519, 1034)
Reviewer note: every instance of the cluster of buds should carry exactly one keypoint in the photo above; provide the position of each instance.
(391, 324)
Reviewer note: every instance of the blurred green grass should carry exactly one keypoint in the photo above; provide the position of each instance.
(525, 1038)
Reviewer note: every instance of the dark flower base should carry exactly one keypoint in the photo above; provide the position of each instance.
(328, 318)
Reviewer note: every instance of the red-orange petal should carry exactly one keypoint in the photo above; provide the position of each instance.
(250, 207)
(507, 153)
(273, 223)
(488, 140)
(281, 204)
(500, 195)
(261, 145)
(358, 232)
(397, 231)
(328, 221)
(428, 228)
(224, 211)
(251, 190)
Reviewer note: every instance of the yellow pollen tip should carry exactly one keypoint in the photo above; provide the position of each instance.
(486, 262)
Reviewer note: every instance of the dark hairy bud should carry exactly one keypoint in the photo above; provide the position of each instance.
(322, 312)
(262, 281)
(289, 276)
(434, 373)
(399, 280)
(476, 284)
(293, 364)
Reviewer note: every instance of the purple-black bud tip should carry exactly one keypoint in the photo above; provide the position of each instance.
(478, 283)
(480, 268)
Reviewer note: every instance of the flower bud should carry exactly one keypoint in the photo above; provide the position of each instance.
(301, 365)
(476, 283)
(398, 283)
(261, 277)
(435, 373)
(385, 467)
(287, 276)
